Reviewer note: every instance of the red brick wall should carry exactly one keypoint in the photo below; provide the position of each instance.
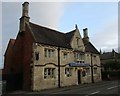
(19, 58)
(27, 57)
(8, 59)
(23, 56)
(17, 55)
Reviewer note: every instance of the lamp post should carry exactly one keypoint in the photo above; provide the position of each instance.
(92, 77)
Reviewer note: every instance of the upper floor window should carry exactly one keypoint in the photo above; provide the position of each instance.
(49, 52)
(77, 40)
(49, 73)
(65, 55)
(78, 56)
(37, 55)
(45, 52)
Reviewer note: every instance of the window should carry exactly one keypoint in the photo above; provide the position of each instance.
(49, 53)
(36, 55)
(83, 73)
(49, 73)
(45, 73)
(52, 53)
(95, 70)
(77, 39)
(68, 72)
(65, 55)
(87, 71)
(78, 56)
(45, 52)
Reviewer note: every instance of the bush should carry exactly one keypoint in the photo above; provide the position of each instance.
(112, 75)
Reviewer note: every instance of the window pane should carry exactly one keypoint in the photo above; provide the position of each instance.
(49, 71)
(45, 73)
(68, 72)
(83, 73)
(52, 75)
(49, 55)
(37, 56)
(65, 55)
(52, 53)
(45, 52)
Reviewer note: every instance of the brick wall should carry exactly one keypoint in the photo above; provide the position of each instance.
(27, 58)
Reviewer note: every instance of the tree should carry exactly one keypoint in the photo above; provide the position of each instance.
(111, 65)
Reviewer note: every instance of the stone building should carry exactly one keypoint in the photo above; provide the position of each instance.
(109, 56)
(44, 58)
(106, 57)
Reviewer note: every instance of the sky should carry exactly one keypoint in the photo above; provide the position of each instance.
(101, 19)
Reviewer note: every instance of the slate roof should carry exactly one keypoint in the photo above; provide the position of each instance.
(108, 55)
(90, 48)
(52, 37)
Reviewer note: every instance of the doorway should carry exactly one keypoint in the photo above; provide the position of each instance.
(79, 76)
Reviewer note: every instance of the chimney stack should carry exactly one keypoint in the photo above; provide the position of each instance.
(25, 17)
(25, 9)
(85, 37)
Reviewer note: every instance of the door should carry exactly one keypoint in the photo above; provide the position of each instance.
(79, 76)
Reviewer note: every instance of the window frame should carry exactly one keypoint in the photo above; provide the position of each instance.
(68, 72)
(49, 53)
(65, 55)
(49, 73)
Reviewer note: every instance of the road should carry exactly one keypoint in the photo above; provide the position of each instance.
(105, 87)
(111, 87)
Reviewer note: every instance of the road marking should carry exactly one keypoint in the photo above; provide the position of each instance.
(93, 93)
(112, 87)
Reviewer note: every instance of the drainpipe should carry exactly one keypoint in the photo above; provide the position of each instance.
(92, 77)
(59, 67)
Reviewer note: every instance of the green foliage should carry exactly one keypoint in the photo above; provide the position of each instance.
(113, 65)
(112, 75)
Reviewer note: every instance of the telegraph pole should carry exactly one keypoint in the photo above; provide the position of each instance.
(92, 77)
(59, 67)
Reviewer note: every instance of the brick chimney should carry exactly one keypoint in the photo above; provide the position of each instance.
(85, 35)
(25, 18)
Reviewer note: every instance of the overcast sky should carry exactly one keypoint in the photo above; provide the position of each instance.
(101, 19)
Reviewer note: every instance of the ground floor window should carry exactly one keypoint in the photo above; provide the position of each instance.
(68, 72)
(49, 73)
(88, 71)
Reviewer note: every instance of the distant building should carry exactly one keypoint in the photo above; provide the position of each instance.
(109, 56)
(42, 58)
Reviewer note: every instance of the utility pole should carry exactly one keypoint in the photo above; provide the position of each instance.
(59, 67)
(92, 77)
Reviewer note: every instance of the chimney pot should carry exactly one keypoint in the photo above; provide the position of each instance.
(25, 9)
